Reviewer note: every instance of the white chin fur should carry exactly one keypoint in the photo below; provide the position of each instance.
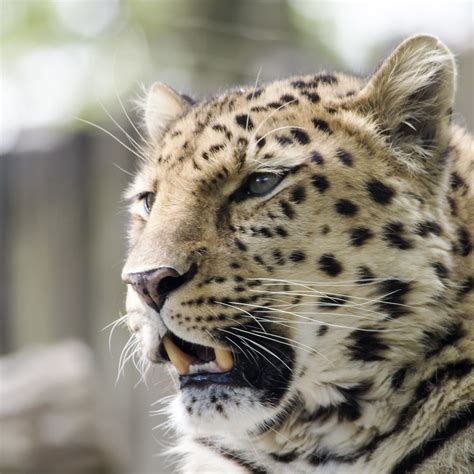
(206, 420)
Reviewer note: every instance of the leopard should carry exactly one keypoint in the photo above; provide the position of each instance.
(300, 258)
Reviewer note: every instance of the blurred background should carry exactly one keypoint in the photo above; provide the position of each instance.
(66, 65)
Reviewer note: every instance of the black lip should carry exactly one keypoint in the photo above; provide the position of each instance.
(206, 378)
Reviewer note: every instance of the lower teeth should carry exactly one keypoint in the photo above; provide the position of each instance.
(210, 367)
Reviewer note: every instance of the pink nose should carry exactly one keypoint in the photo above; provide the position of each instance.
(155, 285)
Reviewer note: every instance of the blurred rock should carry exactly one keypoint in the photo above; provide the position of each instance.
(53, 413)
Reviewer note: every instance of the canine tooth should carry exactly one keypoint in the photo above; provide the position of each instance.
(178, 358)
(224, 359)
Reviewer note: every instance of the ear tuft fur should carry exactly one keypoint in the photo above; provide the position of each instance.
(163, 106)
(411, 96)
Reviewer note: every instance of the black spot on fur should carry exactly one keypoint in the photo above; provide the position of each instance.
(321, 125)
(274, 105)
(453, 206)
(393, 234)
(281, 231)
(331, 301)
(278, 256)
(320, 457)
(298, 84)
(317, 158)
(297, 256)
(288, 98)
(312, 96)
(300, 136)
(393, 292)
(240, 245)
(328, 264)
(344, 157)
(266, 232)
(466, 286)
(327, 79)
(366, 346)
(254, 94)
(454, 370)
(284, 141)
(436, 342)
(244, 121)
(465, 244)
(441, 270)
(287, 209)
(298, 195)
(380, 192)
(350, 409)
(427, 227)
(398, 378)
(216, 148)
(320, 182)
(346, 207)
(285, 457)
(360, 235)
(456, 181)
(322, 330)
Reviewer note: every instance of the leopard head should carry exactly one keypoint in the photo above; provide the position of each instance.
(285, 239)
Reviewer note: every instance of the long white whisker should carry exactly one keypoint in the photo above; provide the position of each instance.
(102, 129)
(270, 115)
(132, 141)
(277, 129)
(121, 103)
(241, 310)
(296, 344)
(258, 345)
(251, 99)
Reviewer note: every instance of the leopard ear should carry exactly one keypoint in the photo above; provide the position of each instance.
(411, 96)
(163, 106)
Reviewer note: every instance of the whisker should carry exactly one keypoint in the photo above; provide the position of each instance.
(251, 99)
(121, 103)
(110, 134)
(270, 115)
(242, 310)
(278, 129)
(316, 320)
(260, 346)
(132, 141)
(296, 344)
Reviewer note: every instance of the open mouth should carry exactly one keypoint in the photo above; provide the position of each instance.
(196, 363)
(265, 369)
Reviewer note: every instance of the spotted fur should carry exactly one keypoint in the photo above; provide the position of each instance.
(349, 285)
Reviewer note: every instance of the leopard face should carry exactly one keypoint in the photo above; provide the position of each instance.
(282, 235)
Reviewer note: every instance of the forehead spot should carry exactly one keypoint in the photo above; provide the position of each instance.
(300, 136)
(346, 207)
(244, 121)
(321, 125)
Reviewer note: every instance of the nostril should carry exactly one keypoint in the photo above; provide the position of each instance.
(156, 285)
(169, 284)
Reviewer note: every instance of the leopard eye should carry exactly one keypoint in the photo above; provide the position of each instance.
(148, 200)
(260, 184)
